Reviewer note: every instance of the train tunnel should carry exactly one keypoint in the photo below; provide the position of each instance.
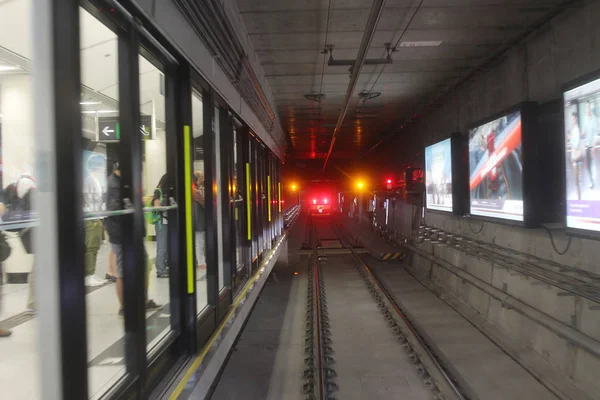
(277, 199)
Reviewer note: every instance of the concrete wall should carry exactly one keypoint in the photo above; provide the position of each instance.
(565, 49)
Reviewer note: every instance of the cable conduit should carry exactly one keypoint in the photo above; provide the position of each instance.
(575, 337)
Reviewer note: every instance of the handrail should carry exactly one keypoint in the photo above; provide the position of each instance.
(33, 222)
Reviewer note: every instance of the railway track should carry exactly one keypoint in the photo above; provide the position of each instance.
(358, 342)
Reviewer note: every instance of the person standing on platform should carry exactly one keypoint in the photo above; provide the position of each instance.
(590, 133)
(92, 201)
(114, 202)
(577, 155)
(161, 226)
(200, 219)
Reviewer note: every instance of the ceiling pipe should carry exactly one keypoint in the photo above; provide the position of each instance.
(376, 11)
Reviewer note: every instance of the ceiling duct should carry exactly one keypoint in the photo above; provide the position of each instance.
(369, 61)
(317, 97)
(366, 95)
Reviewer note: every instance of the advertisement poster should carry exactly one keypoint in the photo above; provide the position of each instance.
(438, 176)
(582, 123)
(94, 180)
(496, 169)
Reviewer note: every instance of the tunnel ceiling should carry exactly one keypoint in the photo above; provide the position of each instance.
(436, 42)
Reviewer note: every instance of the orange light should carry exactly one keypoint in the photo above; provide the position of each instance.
(294, 187)
(296, 273)
(360, 185)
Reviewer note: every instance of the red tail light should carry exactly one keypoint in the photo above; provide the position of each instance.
(314, 201)
(325, 201)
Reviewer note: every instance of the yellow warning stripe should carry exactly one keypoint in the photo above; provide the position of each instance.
(390, 256)
(188, 374)
(189, 246)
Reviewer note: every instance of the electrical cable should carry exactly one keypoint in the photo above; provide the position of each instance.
(560, 253)
(325, 48)
(394, 48)
(471, 227)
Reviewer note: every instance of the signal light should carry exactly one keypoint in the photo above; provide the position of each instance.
(389, 181)
(314, 201)
(325, 201)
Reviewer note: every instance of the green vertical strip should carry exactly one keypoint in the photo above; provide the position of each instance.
(189, 234)
(248, 202)
(279, 194)
(118, 129)
(269, 195)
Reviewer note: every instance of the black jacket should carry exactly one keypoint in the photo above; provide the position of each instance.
(114, 201)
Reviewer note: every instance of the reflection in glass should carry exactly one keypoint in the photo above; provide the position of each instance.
(102, 203)
(157, 188)
(198, 200)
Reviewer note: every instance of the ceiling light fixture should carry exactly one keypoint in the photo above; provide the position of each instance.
(99, 112)
(8, 68)
(89, 103)
(422, 43)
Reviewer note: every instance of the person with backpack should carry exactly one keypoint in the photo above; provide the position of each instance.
(114, 202)
(160, 222)
(17, 197)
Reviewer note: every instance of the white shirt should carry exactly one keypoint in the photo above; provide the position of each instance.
(92, 194)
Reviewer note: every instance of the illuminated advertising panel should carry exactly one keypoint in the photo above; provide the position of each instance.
(438, 176)
(582, 126)
(496, 168)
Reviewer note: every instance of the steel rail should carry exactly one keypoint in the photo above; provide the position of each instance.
(320, 354)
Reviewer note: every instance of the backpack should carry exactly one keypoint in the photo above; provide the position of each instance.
(153, 217)
(11, 199)
(5, 248)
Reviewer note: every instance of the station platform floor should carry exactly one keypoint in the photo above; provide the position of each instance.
(105, 333)
(268, 359)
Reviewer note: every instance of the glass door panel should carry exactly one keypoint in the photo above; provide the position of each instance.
(198, 200)
(159, 199)
(238, 199)
(103, 205)
(218, 191)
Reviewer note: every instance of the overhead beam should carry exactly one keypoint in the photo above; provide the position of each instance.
(374, 16)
